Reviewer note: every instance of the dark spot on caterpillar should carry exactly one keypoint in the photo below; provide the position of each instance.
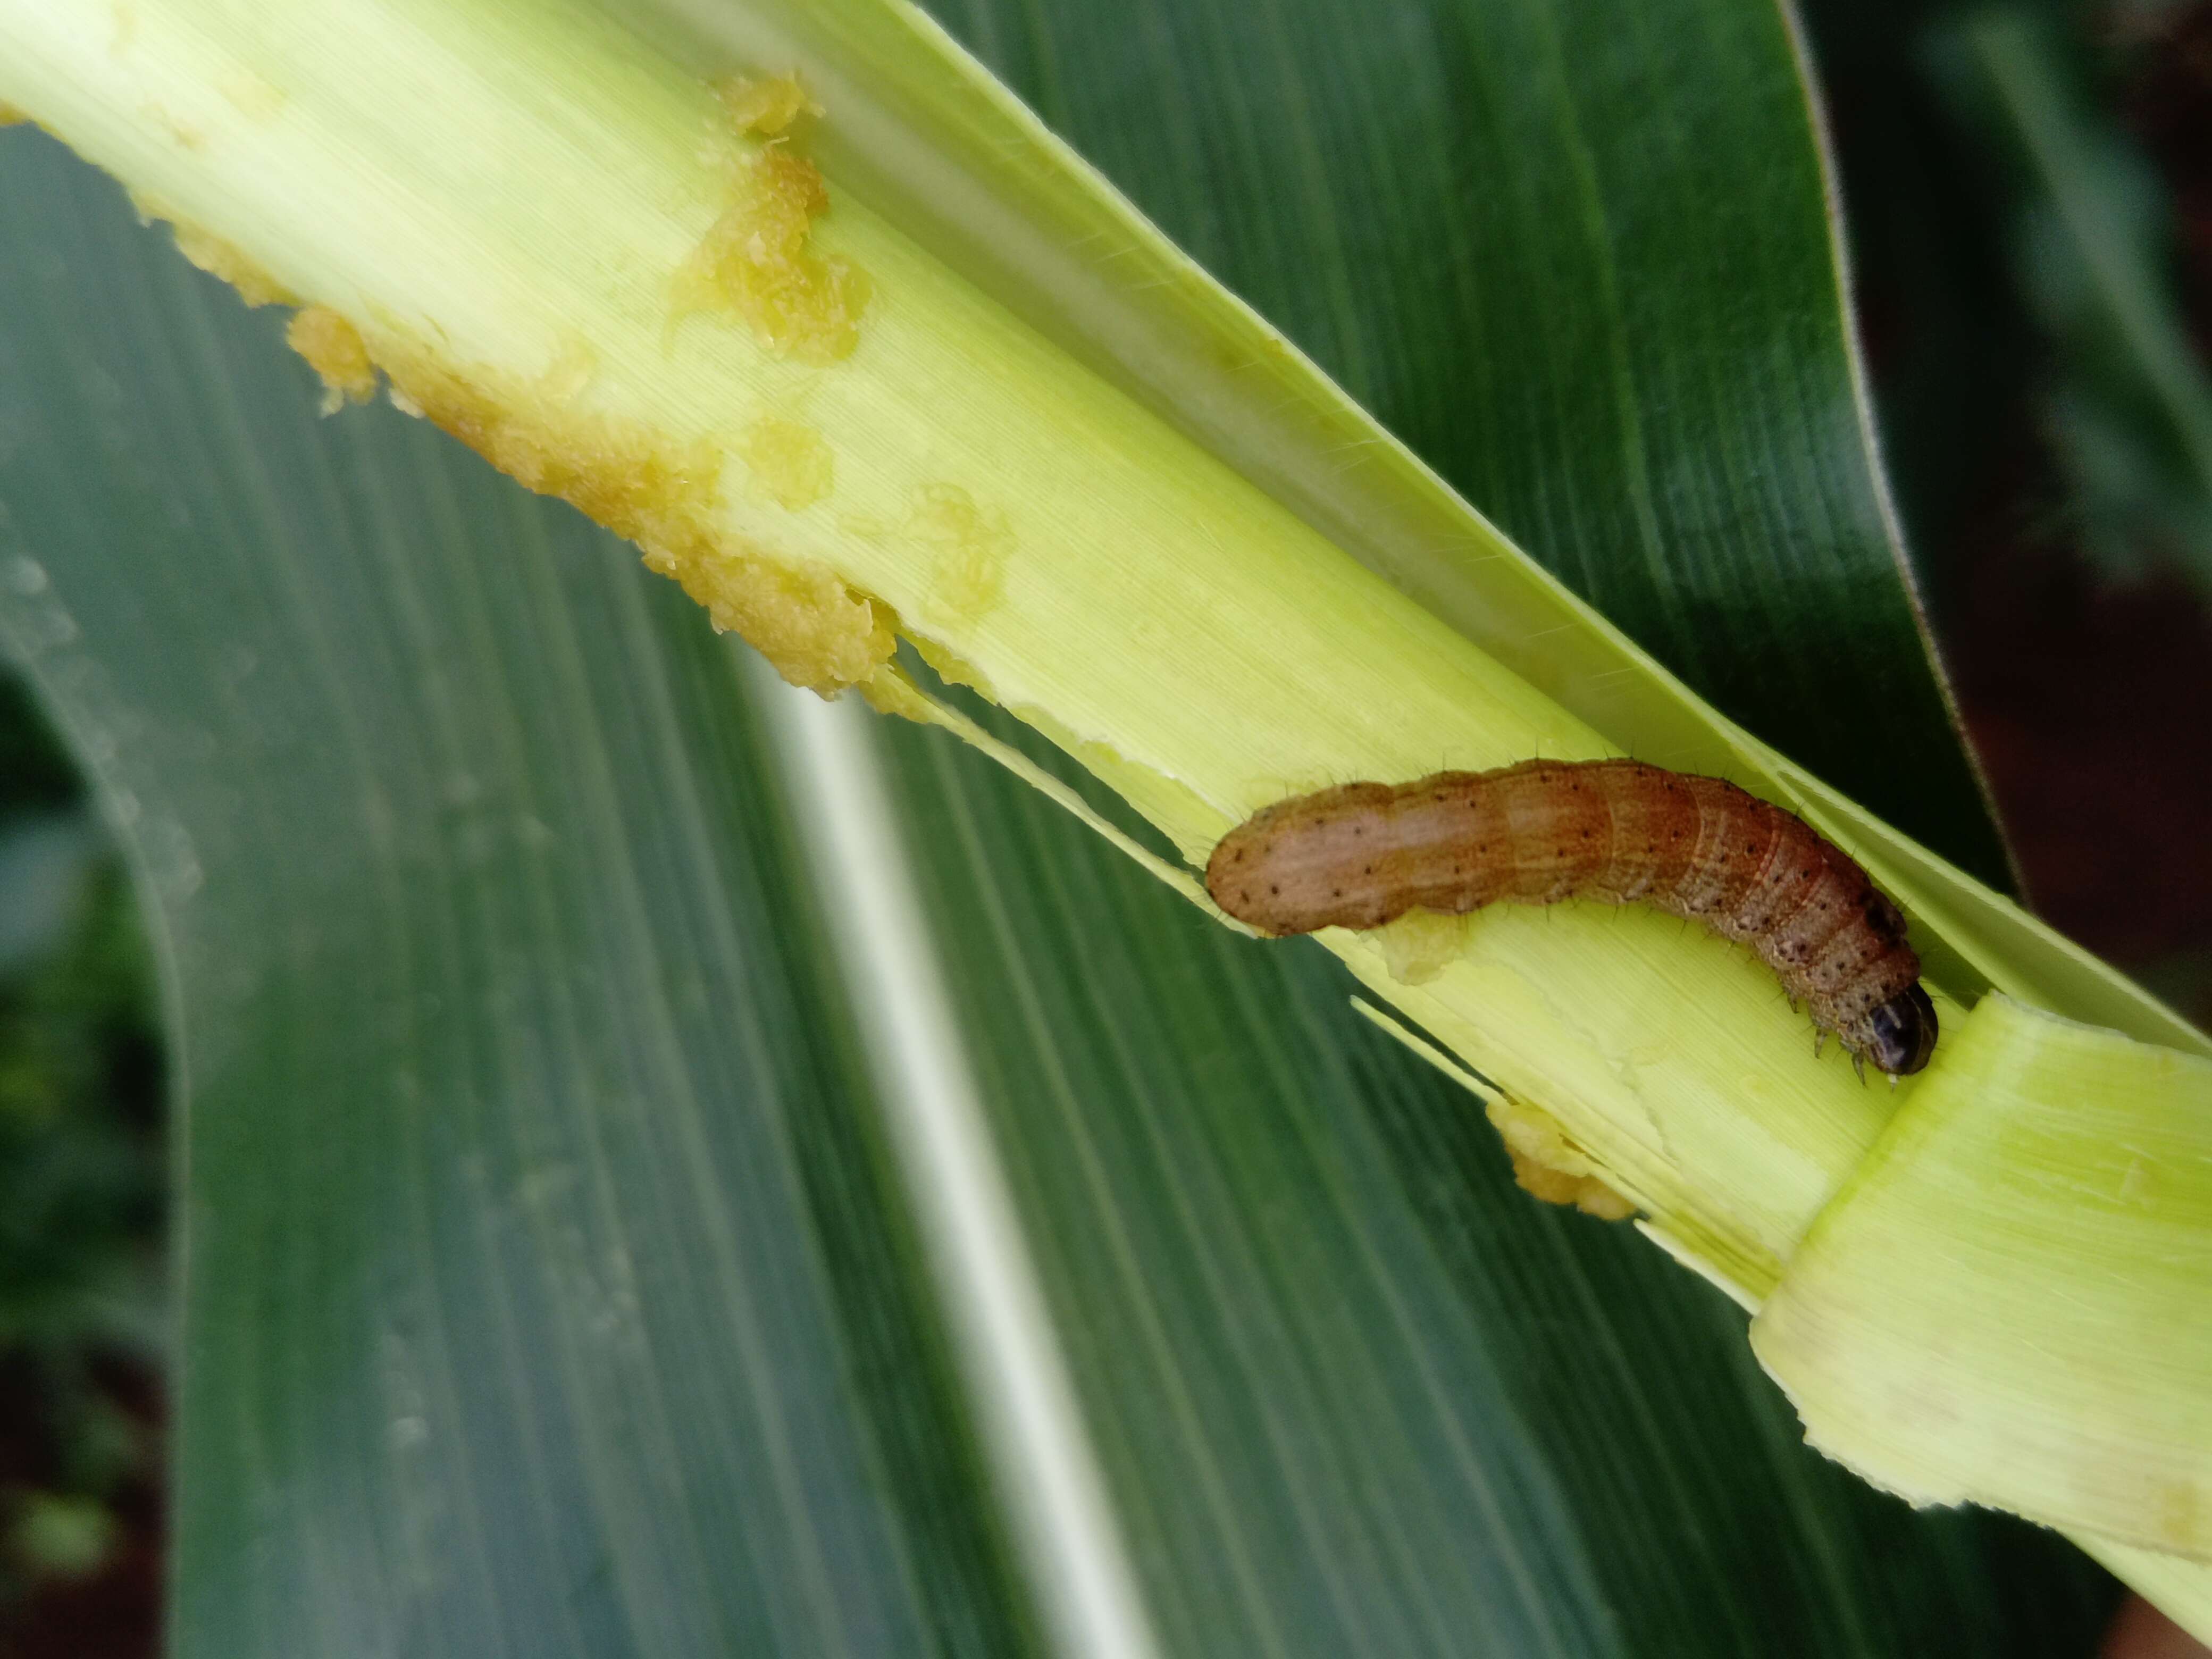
(1836, 943)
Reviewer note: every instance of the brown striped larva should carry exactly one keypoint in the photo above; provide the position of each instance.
(1617, 830)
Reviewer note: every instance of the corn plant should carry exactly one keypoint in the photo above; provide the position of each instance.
(669, 1163)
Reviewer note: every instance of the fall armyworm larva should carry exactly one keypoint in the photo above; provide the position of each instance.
(1617, 830)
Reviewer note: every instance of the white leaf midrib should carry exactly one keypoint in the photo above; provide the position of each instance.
(1009, 1352)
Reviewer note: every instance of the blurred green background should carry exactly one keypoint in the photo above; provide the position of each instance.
(2028, 191)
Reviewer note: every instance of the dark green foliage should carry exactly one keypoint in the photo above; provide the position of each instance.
(2029, 271)
(82, 1297)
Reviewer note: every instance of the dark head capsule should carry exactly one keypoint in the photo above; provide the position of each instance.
(1904, 1030)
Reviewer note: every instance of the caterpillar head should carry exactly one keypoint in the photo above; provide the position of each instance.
(1902, 1032)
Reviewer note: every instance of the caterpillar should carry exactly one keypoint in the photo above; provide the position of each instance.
(1618, 830)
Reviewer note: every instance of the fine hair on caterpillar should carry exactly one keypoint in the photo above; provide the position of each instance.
(1361, 854)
